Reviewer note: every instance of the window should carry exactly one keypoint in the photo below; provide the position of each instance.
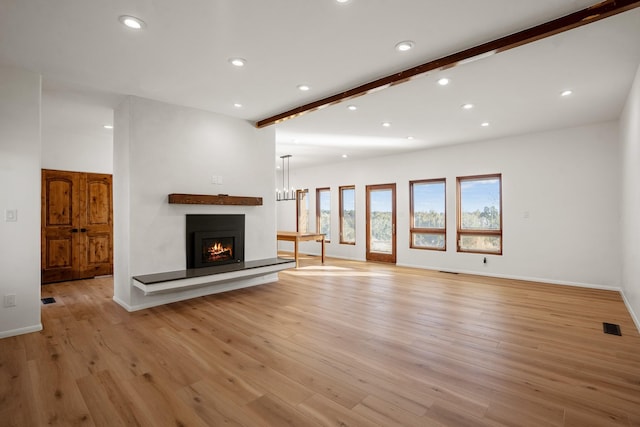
(348, 215)
(428, 227)
(480, 214)
(323, 212)
(302, 211)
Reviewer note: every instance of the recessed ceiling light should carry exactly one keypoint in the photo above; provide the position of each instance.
(443, 81)
(566, 93)
(405, 46)
(352, 107)
(304, 88)
(237, 105)
(342, 1)
(108, 126)
(410, 137)
(238, 62)
(467, 106)
(484, 124)
(132, 22)
(344, 156)
(386, 124)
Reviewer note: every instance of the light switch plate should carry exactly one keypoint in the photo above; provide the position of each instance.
(10, 300)
(11, 215)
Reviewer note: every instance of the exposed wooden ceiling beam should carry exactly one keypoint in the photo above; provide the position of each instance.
(591, 14)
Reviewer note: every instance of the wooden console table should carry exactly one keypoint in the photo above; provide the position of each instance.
(295, 237)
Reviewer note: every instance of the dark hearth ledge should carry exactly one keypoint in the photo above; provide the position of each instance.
(150, 279)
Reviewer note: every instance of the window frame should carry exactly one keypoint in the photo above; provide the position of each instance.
(341, 207)
(319, 211)
(418, 230)
(477, 232)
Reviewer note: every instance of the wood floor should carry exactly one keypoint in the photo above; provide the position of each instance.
(347, 344)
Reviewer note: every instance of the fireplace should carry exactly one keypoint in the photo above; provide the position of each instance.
(214, 240)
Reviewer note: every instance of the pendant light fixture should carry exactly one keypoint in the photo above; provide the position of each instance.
(287, 192)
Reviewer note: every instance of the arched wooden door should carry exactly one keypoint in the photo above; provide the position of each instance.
(77, 225)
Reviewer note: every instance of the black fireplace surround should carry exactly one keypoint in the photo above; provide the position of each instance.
(214, 240)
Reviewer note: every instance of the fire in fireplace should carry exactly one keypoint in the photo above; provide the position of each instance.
(214, 250)
(215, 247)
(214, 240)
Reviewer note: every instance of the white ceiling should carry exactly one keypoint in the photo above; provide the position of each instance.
(89, 61)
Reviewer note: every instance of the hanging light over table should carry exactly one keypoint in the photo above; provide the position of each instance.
(287, 192)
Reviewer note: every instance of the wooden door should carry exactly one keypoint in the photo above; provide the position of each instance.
(60, 192)
(95, 225)
(381, 223)
(77, 225)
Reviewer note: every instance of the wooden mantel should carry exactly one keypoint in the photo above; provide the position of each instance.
(213, 199)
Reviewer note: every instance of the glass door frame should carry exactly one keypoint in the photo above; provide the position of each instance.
(379, 256)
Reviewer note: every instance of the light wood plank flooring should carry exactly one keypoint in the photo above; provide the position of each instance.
(344, 344)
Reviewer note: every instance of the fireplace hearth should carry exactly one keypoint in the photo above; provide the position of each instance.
(214, 240)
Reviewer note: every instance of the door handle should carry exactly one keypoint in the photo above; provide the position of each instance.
(83, 230)
(74, 230)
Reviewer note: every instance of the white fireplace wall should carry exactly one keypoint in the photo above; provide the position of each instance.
(161, 149)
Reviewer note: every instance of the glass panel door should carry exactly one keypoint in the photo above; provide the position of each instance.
(381, 223)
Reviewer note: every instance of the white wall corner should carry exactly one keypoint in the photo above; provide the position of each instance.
(632, 313)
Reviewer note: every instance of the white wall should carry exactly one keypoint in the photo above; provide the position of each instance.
(286, 216)
(80, 152)
(20, 189)
(161, 149)
(73, 136)
(630, 177)
(566, 180)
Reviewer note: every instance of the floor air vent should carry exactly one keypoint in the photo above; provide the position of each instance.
(611, 328)
(49, 300)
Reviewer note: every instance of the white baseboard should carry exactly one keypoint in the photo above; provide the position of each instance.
(514, 277)
(346, 258)
(123, 304)
(20, 331)
(634, 317)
